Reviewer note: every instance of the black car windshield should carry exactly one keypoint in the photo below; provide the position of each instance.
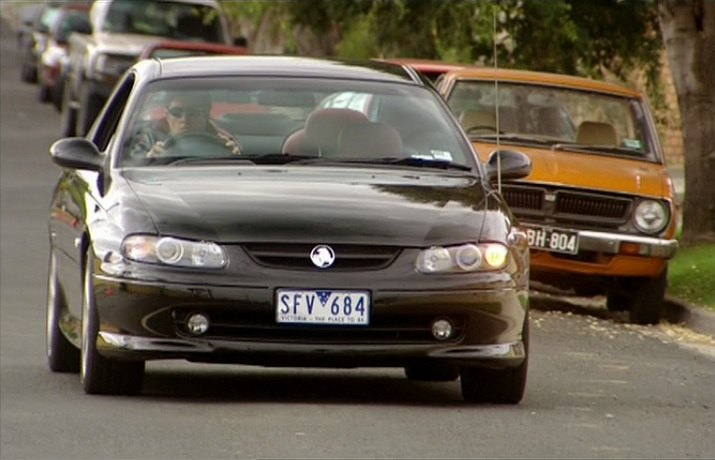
(544, 115)
(177, 20)
(330, 120)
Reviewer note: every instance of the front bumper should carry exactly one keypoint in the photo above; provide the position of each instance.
(147, 321)
(615, 243)
(502, 355)
(604, 254)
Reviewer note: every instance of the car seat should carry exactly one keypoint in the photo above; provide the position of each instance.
(474, 121)
(321, 132)
(370, 140)
(596, 133)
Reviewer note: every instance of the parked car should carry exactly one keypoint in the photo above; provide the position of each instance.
(357, 240)
(72, 17)
(599, 206)
(178, 48)
(430, 68)
(32, 38)
(28, 17)
(121, 29)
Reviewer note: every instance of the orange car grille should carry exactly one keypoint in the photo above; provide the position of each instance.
(568, 205)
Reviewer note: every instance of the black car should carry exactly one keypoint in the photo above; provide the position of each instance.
(327, 213)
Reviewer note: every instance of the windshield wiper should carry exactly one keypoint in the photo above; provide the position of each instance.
(598, 149)
(513, 138)
(179, 160)
(265, 159)
(418, 162)
(283, 158)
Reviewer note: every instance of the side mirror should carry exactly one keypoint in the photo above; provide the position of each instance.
(513, 165)
(240, 41)
(77, 153)
(84, 27)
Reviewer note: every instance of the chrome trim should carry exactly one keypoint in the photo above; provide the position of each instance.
(134, 343)
(514, 351)
(610, 243)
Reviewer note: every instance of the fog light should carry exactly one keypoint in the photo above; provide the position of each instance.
(442, 329)
(198, 323)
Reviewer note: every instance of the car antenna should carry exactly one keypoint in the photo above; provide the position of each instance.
(496, 94)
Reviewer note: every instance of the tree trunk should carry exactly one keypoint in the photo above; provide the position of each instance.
(688, 28)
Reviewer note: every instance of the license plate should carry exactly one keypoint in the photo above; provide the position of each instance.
(323, 306)
(551, 239)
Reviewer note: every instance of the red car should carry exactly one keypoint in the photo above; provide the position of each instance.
(430, 68)
(176, 48)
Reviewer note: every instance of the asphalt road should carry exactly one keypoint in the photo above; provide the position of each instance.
(598, 387)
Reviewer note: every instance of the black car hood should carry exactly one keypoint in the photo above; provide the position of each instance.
(309, 204)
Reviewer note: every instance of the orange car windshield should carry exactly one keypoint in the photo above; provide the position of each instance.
(549, 115)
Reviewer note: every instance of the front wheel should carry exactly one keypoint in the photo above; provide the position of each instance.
(68, 114)
(641, 297)
(498, 386)
(648, 295)
(28, 72)
(102, 375)
(62, 356)
(43, 93)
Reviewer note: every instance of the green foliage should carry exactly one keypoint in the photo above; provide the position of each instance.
(359, 40)
(251, 11)
(691, 274)
(576, 37)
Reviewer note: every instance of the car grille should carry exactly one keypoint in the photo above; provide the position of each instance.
(297, 256)
(567, 206)
(261, 326)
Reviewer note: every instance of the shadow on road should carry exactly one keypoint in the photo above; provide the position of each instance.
(248, 384)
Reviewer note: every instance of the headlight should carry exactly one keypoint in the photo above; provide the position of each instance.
(112, 65)
(464, 258)
(173, 251)
(650, 216)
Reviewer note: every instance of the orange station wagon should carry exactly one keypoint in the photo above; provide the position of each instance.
(599, 206)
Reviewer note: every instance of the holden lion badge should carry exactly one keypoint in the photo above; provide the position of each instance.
(322, 256)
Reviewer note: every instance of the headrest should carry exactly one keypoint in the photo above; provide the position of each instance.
(325, 125)
(471, 119)
(370, 140)
(596, 133)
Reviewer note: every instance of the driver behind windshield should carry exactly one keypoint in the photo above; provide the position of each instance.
(185, 114)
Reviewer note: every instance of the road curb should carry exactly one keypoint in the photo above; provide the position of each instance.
(697, 319)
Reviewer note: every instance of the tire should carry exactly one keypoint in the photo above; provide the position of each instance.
(432, 373)
(618, 301)
(100, 375)
(43, 93)
(648, 295)
(62, 356)
(68, 115)
(497, 386)
(28, 73)
(57, 94)
(90, 104)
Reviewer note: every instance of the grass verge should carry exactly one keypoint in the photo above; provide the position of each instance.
(691, 275)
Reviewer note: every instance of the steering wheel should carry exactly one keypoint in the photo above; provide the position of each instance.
(489, 128)
(196, 145)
